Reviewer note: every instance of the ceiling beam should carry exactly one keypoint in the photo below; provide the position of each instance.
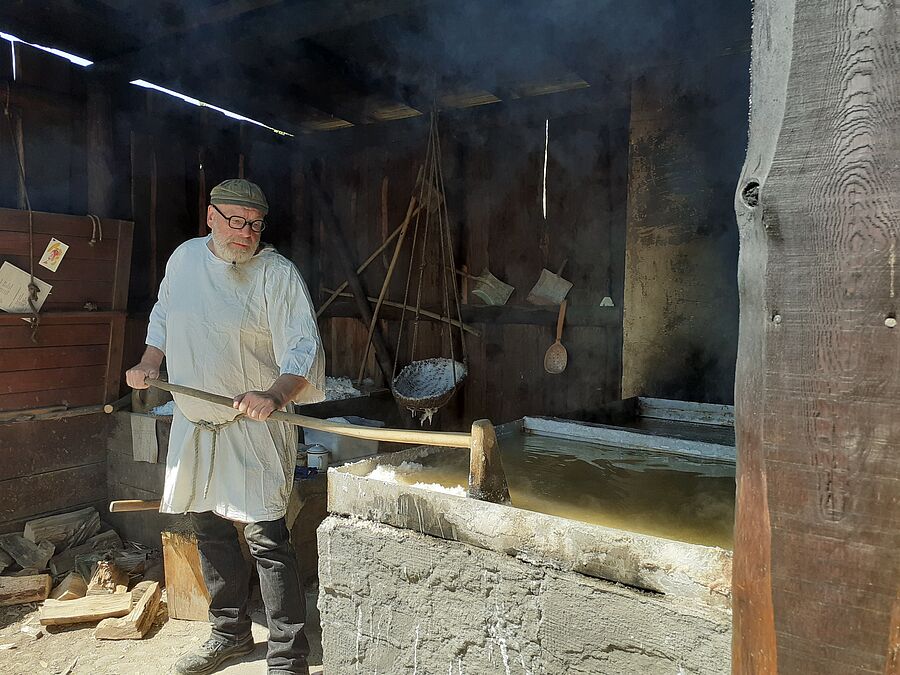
(284, 23)
(364, 78)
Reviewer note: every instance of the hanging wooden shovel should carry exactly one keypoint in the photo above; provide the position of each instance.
(550, 288)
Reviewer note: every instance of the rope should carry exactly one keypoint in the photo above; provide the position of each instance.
(214, 429)
(33, 289)
(96, 229)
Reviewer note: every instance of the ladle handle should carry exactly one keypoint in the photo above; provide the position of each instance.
(561, 319)
(562, 267)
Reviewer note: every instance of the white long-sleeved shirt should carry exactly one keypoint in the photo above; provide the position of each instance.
(228, 329)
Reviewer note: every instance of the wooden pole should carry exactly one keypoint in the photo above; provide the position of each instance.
(423, 312)
(384, 287)
(131, 505)
(450, 439)
(359, 270)
(487, 480)
(817, 387)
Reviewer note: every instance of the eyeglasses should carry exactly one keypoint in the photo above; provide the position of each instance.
(237, 222)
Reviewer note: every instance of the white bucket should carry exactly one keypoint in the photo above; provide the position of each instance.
(317, 457)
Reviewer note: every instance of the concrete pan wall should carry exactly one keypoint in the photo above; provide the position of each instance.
(396, 601)
(678, 569)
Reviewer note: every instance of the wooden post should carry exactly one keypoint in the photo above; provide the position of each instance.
(487, 481)
(817, 392)
(100, 153)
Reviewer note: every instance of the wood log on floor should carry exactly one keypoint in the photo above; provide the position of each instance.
(26, 553)
(135, 625)
(19, 590)
(186, 594)
(65, 561)
(5, 560)
(72, 587)
(108, 578)
(84, 610)
(64, 529)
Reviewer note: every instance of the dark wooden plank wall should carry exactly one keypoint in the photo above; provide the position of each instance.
(51, 467)
(493, 180)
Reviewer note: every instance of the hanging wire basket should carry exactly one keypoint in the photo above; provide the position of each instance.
(429, 384)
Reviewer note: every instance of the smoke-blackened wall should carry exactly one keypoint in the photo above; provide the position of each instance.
(687, 138)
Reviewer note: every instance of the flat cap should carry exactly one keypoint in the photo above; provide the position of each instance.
(241, 193)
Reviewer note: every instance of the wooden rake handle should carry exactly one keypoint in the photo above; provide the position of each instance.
(487, 480)
(451, 439)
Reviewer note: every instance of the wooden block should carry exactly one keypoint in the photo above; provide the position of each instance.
(70, 588)
(65, 529)
(19, 590)
(108, 578)
(134, 626)
(186, 594)
(83, 610)
(26, 553)
(65, 561)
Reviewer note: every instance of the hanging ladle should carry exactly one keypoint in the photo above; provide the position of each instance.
(557, 357)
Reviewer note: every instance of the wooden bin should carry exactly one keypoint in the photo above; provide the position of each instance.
(76, 357)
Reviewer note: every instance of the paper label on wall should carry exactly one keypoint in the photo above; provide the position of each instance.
(14, 290)
(53, 254)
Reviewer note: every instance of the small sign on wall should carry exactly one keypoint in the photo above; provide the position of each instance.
(53, 254)
(14, 289)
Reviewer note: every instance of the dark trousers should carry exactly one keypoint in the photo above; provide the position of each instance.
(227, 578)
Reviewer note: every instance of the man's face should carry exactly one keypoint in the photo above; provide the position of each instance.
(233, 245)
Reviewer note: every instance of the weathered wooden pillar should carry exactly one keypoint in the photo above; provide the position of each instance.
(100, 153)
(817, 540)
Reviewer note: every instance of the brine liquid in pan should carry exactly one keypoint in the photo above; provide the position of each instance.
(645, 491)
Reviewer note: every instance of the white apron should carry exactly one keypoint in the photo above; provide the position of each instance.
(228, 329)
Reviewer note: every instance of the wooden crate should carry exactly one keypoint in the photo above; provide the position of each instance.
(76, 360)
(97, 273)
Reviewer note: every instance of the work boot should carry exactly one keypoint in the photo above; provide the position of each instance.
(212, 654)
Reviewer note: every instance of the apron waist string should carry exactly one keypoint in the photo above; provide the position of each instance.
(214, 429)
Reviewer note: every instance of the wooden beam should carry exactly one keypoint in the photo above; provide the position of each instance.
(591, 315)
(816, 554)
(279, 24)
(100, 153)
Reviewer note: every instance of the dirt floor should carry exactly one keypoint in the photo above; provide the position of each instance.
(73, 650)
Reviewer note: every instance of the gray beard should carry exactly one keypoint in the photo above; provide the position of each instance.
(232, 255)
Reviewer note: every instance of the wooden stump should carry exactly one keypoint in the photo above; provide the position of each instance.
(487, 480)
(186, 594)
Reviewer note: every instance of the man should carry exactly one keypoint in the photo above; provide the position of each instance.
(233, 316)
